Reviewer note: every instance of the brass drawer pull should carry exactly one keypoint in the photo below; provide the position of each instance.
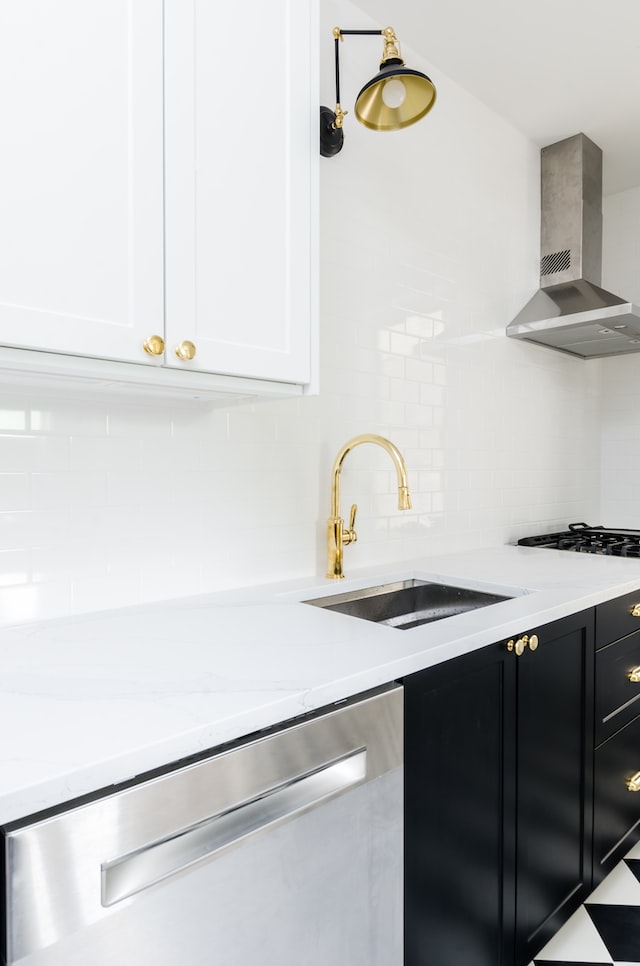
(634, 675)
(633, 783)
(635, 610)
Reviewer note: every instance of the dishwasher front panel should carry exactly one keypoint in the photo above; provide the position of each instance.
(281, 850)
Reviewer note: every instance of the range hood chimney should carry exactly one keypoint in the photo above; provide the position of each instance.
(570, 312)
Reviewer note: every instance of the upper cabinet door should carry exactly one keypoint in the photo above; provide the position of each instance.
(81, 188)
(239, 155)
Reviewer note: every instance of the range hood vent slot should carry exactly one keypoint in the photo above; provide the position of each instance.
(571, 312)
(558, 262)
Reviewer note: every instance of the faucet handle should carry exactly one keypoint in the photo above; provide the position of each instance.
(350, 535)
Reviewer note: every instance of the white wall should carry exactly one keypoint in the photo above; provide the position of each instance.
(620, 439)
(429, 244)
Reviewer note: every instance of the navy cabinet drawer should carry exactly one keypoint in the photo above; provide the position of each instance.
(614, 619)
(616, 809)
(617, 690)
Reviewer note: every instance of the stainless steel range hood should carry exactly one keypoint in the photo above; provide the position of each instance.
(571, 312)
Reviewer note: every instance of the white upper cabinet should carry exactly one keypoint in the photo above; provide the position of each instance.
(238, 186)
(158, 164)
(81, 235)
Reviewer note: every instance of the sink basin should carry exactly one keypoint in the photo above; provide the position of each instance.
(407, 603)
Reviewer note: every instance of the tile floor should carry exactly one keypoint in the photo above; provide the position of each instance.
(605, 931)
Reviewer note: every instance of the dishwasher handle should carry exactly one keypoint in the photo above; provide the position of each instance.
(128, 874)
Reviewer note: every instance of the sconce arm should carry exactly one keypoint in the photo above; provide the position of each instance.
(339, 35)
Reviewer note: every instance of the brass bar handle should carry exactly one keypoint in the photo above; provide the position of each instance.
(635, 610)
(634, 675)
(130, 874)
(633, 783)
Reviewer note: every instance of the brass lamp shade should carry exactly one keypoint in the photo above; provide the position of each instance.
(376, 105)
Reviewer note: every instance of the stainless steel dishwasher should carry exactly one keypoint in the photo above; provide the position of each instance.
(284, 849)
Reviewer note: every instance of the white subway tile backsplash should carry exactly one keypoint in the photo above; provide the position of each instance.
(15, 567)
(15, 491)
(31, 452)
(86, 453)
(62, 491)
(151, 422)
(620, 428)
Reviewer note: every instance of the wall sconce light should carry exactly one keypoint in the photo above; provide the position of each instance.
(395, 98)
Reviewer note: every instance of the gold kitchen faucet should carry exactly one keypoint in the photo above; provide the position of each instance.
(337, 536)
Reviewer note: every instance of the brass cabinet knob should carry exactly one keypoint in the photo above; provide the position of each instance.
(634, 675)
(635, 610)
(533, 642)
(517, 646)
(633, 783)
(154, 345)
(186, 351)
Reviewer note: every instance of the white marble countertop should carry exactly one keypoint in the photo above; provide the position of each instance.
(93, 700)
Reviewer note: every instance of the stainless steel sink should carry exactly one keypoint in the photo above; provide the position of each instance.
(407, 603)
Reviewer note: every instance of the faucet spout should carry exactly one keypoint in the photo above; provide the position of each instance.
(337, 536)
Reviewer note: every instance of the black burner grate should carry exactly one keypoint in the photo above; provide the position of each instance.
(581, 538)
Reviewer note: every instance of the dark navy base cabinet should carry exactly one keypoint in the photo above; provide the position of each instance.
(498, 793)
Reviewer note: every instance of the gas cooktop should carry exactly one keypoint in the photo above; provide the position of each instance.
(581, 538)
